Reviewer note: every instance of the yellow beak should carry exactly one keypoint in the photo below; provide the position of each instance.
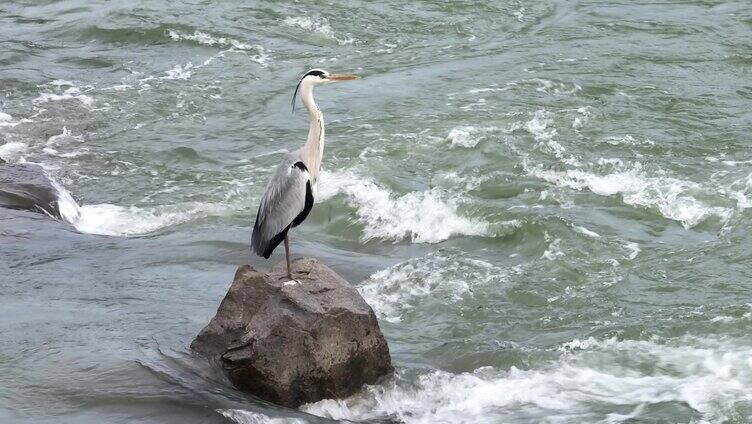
(342, 77)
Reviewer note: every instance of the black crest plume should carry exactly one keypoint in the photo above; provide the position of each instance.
(313, 72)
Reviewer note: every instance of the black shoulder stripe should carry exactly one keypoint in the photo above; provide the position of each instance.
(300, 165)
(307, 208)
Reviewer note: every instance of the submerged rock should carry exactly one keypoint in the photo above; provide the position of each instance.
(27, 186)
(295, 342)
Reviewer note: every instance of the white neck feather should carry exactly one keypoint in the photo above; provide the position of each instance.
(313, 150)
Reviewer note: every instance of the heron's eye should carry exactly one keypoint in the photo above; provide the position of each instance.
(322, 76)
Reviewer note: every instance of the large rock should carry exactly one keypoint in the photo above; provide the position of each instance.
(27, 186)
(293, 343)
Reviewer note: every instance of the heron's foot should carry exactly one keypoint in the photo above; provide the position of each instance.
(291, 282)
(288, 278)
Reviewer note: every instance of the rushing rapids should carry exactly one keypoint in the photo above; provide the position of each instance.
(545, 203)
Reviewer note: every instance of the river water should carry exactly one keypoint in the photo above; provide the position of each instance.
(546, 203)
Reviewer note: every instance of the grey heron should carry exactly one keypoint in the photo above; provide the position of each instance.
(291, 191)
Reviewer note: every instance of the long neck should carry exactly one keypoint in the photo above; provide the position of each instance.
(313, 150)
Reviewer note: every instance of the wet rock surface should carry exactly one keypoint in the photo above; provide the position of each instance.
(27, 186)
(294, 342)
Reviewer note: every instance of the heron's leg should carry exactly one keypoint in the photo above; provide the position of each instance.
(287, 256)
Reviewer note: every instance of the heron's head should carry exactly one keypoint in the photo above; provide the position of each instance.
(316, 77)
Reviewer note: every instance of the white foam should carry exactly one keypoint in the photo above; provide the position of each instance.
(736, 162)
(423, 217)
(396, 290)
(553, 251)
(740, 190)
(4, 117)
(465, 136)
(669, 196)
(179, 72)
(209, 40)
(464, 182)
(241, 416)
(60, 83)
(13, 151)
(319, 26)
(230, 44)
(66, 135)
(547, 86)
(585, 231)
(539, 84)
(634, 249)
(726, 319)
(112, 220)
(185, 72)
(489, 90)
(71, 93)
(588, 383)
(69, 209)
(579, 121)
(538, 126)
(480, 104)
(520, 14)
(627, 140)
(118, 87)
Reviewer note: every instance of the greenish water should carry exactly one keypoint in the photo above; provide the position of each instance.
(546, 203)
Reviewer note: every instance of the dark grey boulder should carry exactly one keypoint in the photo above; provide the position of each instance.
(294, 343)
(27, 186)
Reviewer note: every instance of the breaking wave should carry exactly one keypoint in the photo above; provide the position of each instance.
(261, 55)
(13, 151)
(468, 136)
(241, 416)
(671, 197)
(59, 94)
(705, 378)
(396, 290)
(429, 216)
(318, 26)
(205, 39)
(112, 220)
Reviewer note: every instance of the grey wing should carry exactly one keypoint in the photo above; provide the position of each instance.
(287, 196)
